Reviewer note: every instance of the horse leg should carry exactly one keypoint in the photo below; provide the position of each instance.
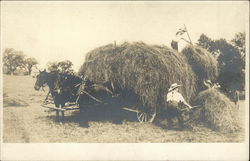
(57, 116)
(57, 113)
(58, 119)
(62, 112)
(57, 105)
(63, 117)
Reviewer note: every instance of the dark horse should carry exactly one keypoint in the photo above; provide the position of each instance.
(61, 86)
(71, 88)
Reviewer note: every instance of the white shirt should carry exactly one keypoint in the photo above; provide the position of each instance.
(175, 96)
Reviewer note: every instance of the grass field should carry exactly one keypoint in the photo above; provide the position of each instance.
(24, 120)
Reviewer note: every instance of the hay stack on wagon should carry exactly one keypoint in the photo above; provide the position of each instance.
(219, 112)
(203, 63)
(147, 71)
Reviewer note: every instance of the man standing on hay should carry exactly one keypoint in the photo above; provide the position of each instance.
(176, 104)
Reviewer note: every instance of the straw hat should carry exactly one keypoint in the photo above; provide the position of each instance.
(173, 86)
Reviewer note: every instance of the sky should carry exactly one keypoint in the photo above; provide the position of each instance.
(57, 31)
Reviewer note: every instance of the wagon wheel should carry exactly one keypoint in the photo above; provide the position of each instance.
(144, 117)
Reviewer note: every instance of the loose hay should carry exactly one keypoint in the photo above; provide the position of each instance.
(145, 70)
(219, 112)
(202, 62)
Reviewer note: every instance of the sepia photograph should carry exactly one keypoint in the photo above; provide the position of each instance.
(88, 73)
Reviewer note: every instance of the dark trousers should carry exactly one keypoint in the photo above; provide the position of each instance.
(174, 110)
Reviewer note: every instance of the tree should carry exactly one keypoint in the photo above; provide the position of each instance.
(12, 60)
(65, 66)
(62, 66)
(209, 44)
(230, 59)
(231, 66)
(206, 42)
(239, 41)
(30, 62)
(53, 67)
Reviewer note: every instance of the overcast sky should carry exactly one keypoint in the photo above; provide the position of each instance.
(55, 31)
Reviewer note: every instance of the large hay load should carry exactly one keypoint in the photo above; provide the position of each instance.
(219, 112)
(203, 63)
(143, 70)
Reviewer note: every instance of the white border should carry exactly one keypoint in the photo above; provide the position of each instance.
(126, 151)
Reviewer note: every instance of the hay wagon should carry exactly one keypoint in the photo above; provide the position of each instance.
(49, 104)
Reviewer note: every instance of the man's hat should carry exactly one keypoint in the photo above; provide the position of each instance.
(173, 86)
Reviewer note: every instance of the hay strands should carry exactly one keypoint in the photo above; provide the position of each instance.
(219, 112)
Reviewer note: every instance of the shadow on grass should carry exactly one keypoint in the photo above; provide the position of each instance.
(96, 114)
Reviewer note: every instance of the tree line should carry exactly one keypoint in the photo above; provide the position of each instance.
(61, 66)
(231, 60)
(14, 60)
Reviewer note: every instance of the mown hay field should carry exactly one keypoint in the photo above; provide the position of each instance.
(25, 121)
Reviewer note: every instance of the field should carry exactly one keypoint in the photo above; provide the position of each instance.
(24, 121)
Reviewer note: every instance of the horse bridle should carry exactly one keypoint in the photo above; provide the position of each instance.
(42, 86)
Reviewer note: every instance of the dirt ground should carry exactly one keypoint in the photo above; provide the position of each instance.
(25, 121)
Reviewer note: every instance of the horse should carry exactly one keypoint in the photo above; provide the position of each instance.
(61, 86)
(71, 88)
(52, 80)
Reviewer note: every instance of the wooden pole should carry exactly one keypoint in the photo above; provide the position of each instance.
(97, 100)
(188, 34)
(186, 41)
